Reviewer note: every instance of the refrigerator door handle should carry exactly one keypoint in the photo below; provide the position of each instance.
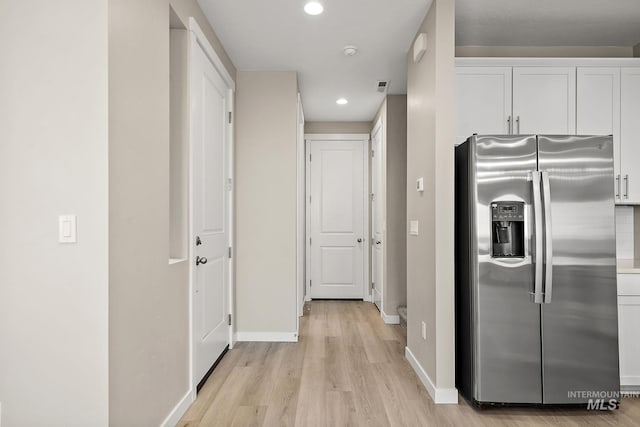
(538, 235)
(548, 240)
(509, 126)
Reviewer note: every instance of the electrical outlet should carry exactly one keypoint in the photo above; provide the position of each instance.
(424, 330)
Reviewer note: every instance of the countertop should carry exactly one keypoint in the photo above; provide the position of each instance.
(629, 266)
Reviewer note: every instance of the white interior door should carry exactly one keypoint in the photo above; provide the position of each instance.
(337, 208)
(377, 216)
(210, 105)
(544, 100)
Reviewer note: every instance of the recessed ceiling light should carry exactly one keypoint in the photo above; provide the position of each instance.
(342, 101)
(313, 8)
(350, 50)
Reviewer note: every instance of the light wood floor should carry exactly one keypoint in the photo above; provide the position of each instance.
(348, 369)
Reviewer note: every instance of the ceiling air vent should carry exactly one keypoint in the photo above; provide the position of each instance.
(382, 86)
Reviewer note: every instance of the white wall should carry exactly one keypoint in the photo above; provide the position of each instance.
(53, 161)
(265, 165)
(625, 232)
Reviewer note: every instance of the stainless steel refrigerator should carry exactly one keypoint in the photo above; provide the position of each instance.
(536, 300)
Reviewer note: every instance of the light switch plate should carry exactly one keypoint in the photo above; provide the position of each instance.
(413, 228)
(67, 231)
(420, 184)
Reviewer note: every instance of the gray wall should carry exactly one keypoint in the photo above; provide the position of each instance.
(53, 161)
(265, 165)
(545, 51)
(148, 298)
(393, 115)
(430, 256)
(337, 127)
(396, 200)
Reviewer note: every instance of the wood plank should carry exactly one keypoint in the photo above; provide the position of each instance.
(341, 409)
(348, 368)
(249, 416)
(311, 399)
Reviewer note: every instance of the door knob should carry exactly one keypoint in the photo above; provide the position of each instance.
(378, 242)
(359, 240)
(200, 260)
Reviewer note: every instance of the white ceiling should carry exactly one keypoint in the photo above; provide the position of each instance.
(278, 35)
(547, 22)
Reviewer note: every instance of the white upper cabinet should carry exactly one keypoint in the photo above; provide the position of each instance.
(598, 110)
(544, 100)
(556, 96)
(630, 135)
(483, 101)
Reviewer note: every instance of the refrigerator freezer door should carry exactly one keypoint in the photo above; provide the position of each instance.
(579, 323)
(507, 352)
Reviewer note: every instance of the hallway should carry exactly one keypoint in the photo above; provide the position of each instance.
(348, 369)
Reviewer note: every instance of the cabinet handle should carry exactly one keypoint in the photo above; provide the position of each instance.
(518, 123)
(618, 183)
(509, 128)
(626, 186)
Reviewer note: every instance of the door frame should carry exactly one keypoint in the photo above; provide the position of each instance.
(300, 216)
(197, 39)
(382, 197)
(366, 150)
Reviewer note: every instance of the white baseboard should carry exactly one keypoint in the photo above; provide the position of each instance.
(307, 298)
(630, 382)
(367, 298)
(179, 410)
(439, 395)
(393, 319)
(266, 336)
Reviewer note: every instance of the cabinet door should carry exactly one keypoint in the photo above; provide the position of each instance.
(629, 339)
(483, 101)
(598, 110)
(630, 135)
(544, 100)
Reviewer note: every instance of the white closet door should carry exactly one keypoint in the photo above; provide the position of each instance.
(337, 217)
(209, 162)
